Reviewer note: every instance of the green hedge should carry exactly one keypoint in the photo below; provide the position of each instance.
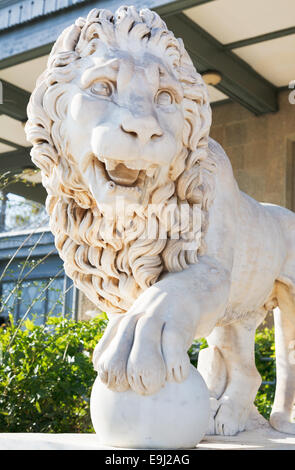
(46, 374)
(266, 365)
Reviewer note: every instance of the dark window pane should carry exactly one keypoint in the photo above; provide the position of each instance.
(8, 300)
(33, 299)
(55, 297)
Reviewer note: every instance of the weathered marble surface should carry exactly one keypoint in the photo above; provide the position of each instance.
(247, 440)
(175, 417)
(120, 122)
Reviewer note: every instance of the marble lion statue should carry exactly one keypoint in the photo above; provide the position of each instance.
(119, 123)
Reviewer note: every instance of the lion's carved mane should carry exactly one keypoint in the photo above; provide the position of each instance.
(111, 271)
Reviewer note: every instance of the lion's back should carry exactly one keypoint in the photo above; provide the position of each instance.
(259, 254)
(285, 218)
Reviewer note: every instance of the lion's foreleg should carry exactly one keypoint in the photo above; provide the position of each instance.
(149, 344)
(236, 345)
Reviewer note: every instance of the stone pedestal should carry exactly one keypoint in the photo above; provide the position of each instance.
(262, 439)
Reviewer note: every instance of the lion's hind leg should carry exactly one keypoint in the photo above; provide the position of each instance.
(284, 318)
(238, 379)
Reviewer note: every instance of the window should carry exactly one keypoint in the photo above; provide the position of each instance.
(33, 298)
(33, 283)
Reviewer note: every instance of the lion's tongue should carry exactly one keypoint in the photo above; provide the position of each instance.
(123, 175)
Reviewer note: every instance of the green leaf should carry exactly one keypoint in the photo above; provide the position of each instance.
(29, 325)
(37, 404)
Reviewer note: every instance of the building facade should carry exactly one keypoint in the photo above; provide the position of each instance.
(33, 284)
(245, 52)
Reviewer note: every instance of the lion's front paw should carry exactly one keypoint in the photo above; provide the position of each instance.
(230, 418)
(141, 352)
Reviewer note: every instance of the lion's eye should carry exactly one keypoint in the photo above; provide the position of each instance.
(164, 98)
(101, 89)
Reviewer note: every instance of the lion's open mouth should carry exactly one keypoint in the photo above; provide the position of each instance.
(128, 173)
(122, 175)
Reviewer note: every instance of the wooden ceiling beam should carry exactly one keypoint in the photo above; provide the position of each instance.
(239, 81)
(14, 101)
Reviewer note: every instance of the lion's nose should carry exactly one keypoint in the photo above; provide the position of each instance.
(143, 128)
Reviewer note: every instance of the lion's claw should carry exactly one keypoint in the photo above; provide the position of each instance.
(143, 353)
(229, 419)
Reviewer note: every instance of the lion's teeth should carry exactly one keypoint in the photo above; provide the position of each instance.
(110, 164)
(132, 165)
(150, 171)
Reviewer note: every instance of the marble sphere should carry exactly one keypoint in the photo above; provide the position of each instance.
(176, 417)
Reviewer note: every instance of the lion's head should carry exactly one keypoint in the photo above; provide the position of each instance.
(120, 113)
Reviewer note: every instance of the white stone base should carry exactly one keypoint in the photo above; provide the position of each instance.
(261, 439)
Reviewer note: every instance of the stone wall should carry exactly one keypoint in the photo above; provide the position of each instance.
(261, 149)
(86, 309)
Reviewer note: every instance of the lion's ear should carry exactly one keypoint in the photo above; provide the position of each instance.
(64, 49)
(67, 40)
